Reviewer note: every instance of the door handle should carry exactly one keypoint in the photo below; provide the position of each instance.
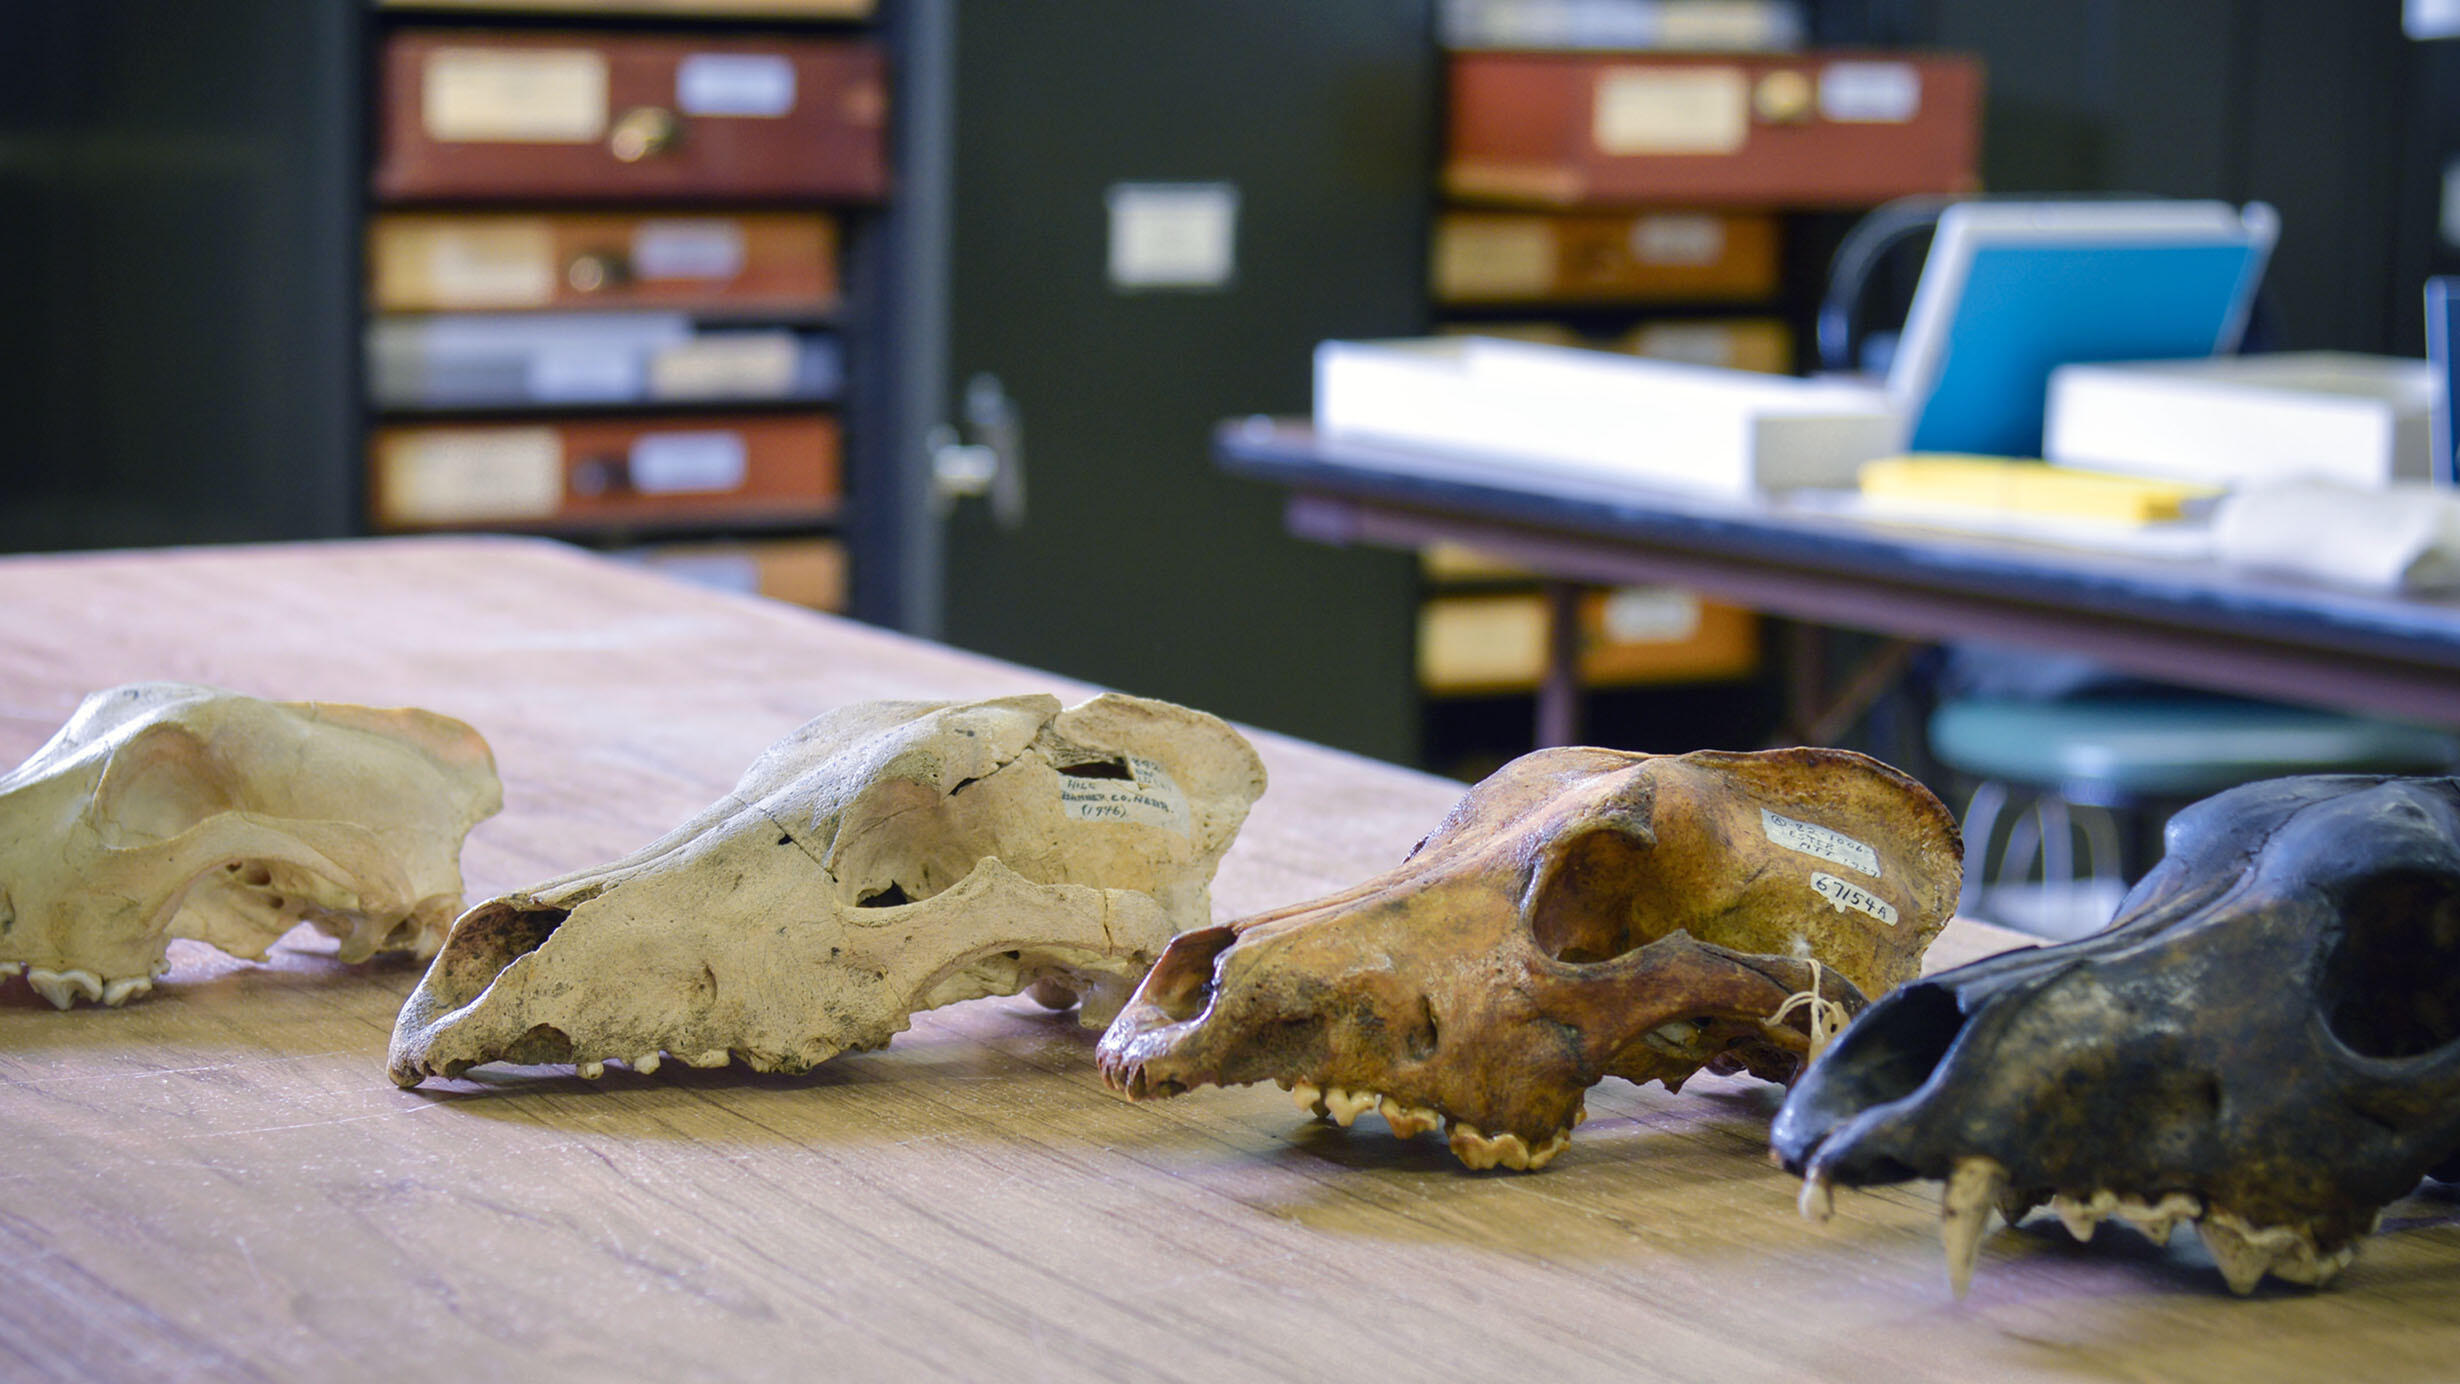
(987, 459)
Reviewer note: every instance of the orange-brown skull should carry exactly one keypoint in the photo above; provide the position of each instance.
(1581, 913)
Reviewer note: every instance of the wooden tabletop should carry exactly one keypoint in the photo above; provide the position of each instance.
(220, 1182)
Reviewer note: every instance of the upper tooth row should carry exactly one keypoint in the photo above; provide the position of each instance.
(651, 1060)
(1344, 1106)
(63, 988)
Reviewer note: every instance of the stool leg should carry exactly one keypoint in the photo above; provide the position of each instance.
(1981, 819)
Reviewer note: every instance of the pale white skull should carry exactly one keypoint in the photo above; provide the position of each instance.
(167, 810)
(886, 858)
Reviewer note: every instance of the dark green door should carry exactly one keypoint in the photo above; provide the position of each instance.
(1158, 207)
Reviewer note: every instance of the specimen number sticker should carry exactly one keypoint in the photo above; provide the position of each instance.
(1148, 795)
(1810, 838)
(1844, 894)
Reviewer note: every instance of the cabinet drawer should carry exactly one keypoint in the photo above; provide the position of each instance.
(1809, 130)
(1489, 643)
(1499, 257)
(543, 116)
(679, 472)
(808, 572)
(753, 262)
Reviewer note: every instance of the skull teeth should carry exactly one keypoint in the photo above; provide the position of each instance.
(646, 1063)
(1817, 1201)
(1346, 1106)
(63, 987)
(1506, 1150)
(1409, 1121)
(1309, 1098)
(2082, 1215)
(590, 1071)
(714, 1057)
(2245, 1253)
(1964, 1215)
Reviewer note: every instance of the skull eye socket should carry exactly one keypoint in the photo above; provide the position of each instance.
(2391, 987)
(1583, 905)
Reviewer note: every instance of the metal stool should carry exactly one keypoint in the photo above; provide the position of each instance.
(2085, 766)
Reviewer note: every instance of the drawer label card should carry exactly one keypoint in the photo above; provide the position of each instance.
(736, 84)
(1669, 238)
(491, 264)
(727, 365)
(452, 477)
(1145, 795)
(1810, 838)
(1843, 894)
(1671, 110)
(1870, 93)
(677, 249)
(513, 95)
(1656, 615)
(674, 463)
(1173, 235)
(581, 372)
(1494, 256)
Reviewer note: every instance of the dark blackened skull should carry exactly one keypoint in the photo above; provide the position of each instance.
(2266, 1041)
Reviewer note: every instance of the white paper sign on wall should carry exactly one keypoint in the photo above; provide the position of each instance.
(1173, 235)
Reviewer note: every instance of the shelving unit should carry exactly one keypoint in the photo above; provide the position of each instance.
(614, 291)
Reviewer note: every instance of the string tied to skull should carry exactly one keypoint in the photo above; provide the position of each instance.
(1826, 1016)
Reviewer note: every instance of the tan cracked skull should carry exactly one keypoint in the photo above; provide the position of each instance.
(886, 858)
(167, 810)
(1581, 913)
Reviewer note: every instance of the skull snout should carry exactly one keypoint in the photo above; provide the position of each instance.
(1837, 1112)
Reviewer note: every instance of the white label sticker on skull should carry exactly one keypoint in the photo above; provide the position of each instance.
(1835, 847)
(1842, 894)
(1144, 794)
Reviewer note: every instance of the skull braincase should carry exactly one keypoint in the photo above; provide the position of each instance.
(1581, 913)
(167, 810)
(2266, 1040)
(885, 858)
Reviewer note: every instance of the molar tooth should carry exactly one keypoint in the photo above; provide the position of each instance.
(1545, 1152)
(1483, 1151)
(1409, 1121)
(1964, 1215)
(1347, 1106)
(1308, 1097)
(2242, 1264)
(590, 1070)
(1817, 1201)
(2157, 1219)
(646, 1063)
(2082, 1215)
(63, 987)
(118, 992)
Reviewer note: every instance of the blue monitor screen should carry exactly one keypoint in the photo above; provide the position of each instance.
(2027, 309)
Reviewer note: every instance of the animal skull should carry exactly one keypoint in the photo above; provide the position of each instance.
(2266, 1041)
(164, 810)
(886, 858)
(1581, 913)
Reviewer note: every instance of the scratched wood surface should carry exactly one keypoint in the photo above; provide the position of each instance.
(219, 1182)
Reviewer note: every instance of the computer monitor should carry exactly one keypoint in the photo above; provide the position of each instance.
(2012, 290)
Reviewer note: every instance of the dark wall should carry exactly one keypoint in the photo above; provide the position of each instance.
(2310, 105)
(178, 223)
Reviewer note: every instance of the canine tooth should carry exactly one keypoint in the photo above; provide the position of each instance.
(1817, 1201)
(1308, 1097)
(2157, 1219)
(591, 1070)
(1347, 1106)
(63, 987)
(126, 988)
(646, 1063)
(1409, 1121)
(1964, 1215)
(2082, 1216)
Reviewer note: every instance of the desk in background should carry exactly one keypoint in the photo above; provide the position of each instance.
(220, 1182)
(2187, 622)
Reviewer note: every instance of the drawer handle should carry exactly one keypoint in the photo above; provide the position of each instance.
(594, 270)
(643, 131)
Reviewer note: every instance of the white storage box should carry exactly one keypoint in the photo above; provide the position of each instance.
(1479, 408)
(2238, 420)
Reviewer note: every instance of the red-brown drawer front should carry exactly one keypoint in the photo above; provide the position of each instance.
(579, 474)
(745, 262)
(536, 116)
(1811, 130)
